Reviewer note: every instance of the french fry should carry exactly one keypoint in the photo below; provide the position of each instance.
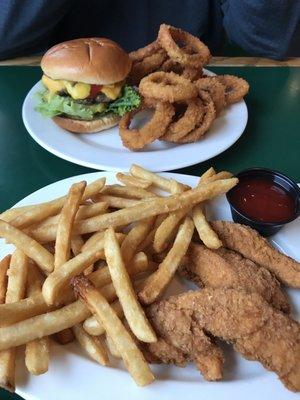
(23, 309)
(112, 347)
(42, 325)
(65, 224)
(207, 174)
(94, 346)
(59, 278)
(37, 351)
(95, 238)
(36, 305)
(148, 241)
(117, 202)
(167, 228)
(133, 311)
(6, 361)
(91, 190)
(29, 246)
(216, 177)
(51, 322)
(130, 180)
(128, 192)
(205, 231)
(157, 282)
(76, 244)
(84, 211)
(132, 356)
(44, 210)
(177, 187)
(139, 264)
(12, 213)
(134, 238)
(17, 275)
(165, 231)
(90, 210)
(145, 209)
(156, 180)
(7, 370)
(92, 326)
(4, 265)
(37, 356)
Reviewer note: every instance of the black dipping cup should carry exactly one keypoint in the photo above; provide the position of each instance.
(265, 228)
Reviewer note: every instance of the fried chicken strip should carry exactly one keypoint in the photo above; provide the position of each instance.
(224, 268)
(250, 244)
(186, 342)
(246, 320)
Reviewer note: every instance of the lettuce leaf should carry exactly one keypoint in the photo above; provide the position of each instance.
(129, 100)
(51, 105)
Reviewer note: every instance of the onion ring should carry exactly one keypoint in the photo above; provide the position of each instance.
(189, 73)
(142, 68)
(235, 88)
(167, 86)
(187, 119)
(206, 122)
(135, 139)
(168, 37)
(140, 54)
(216, 90)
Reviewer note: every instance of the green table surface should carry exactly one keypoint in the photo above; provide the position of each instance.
(271, 139)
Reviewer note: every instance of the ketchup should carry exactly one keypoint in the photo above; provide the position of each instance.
(263, 200)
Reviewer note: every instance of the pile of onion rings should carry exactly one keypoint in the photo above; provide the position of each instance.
(185, 102)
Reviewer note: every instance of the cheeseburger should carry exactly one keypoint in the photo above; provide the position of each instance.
(84, 82)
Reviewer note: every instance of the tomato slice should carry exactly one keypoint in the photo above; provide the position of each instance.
(95, 89)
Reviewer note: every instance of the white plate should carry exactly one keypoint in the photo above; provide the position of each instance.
(72, 376)
(104, 150)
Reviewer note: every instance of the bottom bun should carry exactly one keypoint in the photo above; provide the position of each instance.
(79, 126)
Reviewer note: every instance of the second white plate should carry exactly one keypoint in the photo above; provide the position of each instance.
(104, 150)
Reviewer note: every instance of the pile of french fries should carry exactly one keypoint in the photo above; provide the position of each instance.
(86, 263)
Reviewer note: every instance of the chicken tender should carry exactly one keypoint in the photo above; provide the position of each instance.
(185, 335)
(223, 268)
(250, 244)
(246, 320)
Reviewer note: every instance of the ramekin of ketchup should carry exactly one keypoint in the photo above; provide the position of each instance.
(264, 199)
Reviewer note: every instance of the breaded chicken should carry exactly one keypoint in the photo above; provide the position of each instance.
(164, 352)
(246, 320)
(224, 268)
(250, 244)
(191, 342)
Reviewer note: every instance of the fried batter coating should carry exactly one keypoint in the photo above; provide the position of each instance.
(246, 320)
(250, 244)
(223, 268)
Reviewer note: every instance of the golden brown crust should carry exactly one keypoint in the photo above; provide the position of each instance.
(89, 60)
(79, 126)
(250, 244)
(224, 268)
(246, 320)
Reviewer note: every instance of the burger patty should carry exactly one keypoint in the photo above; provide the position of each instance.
(100, 98)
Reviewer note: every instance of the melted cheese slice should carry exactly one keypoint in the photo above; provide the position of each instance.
(80, 90)
(112, 91)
